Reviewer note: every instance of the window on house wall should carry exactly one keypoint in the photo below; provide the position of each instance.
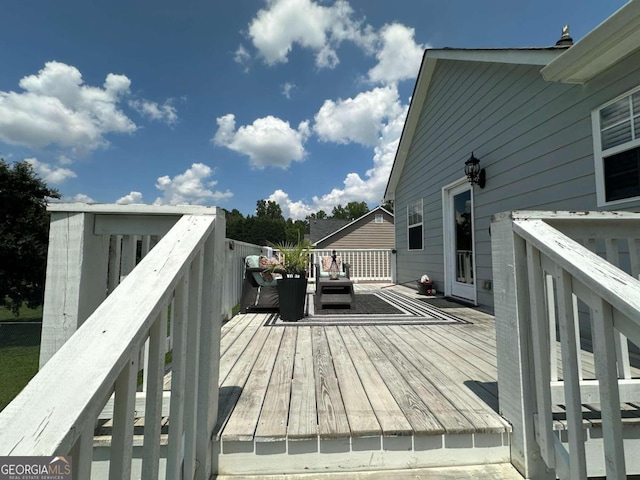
(616, 134)
(414, 225)
(379, 218)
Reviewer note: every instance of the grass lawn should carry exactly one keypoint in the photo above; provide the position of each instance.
(19, 356)
(26, 315)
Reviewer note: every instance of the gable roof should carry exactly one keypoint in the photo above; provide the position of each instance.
(349, 223)
(615, 38)
(522, 56)
(321, 227)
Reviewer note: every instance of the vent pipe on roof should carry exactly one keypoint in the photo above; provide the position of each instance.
(565, 39)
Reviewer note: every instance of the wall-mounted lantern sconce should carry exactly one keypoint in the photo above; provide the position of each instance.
(474, 173)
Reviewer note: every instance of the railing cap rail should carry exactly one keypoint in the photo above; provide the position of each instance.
(611, 283)
(115, 209)
(564, 215)
(49, 414)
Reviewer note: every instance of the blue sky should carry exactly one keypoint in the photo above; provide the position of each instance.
(228, 102)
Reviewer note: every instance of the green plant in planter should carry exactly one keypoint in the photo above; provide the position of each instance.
(292, 287)
(294, 258)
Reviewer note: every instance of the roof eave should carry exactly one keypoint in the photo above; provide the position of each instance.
(615, 38)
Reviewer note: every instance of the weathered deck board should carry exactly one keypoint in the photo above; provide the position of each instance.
(466, 371)
(362, 418)
(332, 416)
(333, 382)
(238, 373)
(447, 380)
(389, 414)
(447, 414)
(272, 425)
(410, 401)
(242, 425)
(303, 422)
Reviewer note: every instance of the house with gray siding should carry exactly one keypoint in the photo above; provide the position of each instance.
(555, 128)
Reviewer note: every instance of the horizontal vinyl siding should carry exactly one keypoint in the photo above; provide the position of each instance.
(533, 138)
(366, 234)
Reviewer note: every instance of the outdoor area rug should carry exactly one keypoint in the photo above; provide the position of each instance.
(382, 307)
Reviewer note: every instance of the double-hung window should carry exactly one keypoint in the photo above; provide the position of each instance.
(414, 225)
(616, 139)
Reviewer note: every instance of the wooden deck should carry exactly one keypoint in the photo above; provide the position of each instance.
(358, 397)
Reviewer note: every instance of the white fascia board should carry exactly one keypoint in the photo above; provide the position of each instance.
(615, 38)
(411, 122)
(518, 56)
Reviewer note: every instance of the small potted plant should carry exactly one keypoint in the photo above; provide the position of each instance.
(425, 286)
(292, 287)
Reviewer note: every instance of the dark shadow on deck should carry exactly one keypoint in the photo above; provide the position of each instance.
(227, 399)
(485, 391)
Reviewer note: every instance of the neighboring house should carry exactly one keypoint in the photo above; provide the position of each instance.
(320, 228)
(372, 230)
(366, 243)
(554, 128)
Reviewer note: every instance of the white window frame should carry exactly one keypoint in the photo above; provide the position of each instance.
(413, 225)
(599, 155)
(379, 218)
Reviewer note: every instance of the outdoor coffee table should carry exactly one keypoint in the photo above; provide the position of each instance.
(335, 292)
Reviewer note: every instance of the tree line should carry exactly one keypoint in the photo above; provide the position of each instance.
(268, 225)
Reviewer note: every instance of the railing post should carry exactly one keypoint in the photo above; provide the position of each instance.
(77, 263)
(517, 392)
(209, 368)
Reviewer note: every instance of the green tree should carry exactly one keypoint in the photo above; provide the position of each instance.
(296, 230)
(319, 215)
(236, 225)
(356, 209)
(340, 212)
(24, 235)
(269, 209)
(352, 211)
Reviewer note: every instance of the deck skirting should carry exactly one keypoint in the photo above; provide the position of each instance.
(361, 454)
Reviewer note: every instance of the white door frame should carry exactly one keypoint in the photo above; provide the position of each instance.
(448, 191)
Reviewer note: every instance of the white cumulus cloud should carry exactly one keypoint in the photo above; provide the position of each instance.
(359, 119)
(287, 88)
(50, 173)
(355, 188)
(283, 23)
(56, 107)
(399, 57)
(131, 198)
(79, 198)
(165, 112)
(191, 187)
(268, 141)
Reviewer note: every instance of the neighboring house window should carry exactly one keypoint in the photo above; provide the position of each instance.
(379, 218)
(414, 222)
(616, 134)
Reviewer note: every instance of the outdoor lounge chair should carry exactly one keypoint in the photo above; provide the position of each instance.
(322, 268)
(259, 285)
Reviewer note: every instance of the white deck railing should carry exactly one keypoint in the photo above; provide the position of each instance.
(548, 278)
(367, 265)
(56, 412)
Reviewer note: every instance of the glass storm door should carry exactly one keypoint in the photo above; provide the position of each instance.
(460, 272)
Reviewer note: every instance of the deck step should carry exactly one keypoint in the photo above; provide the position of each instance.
(500, 471)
